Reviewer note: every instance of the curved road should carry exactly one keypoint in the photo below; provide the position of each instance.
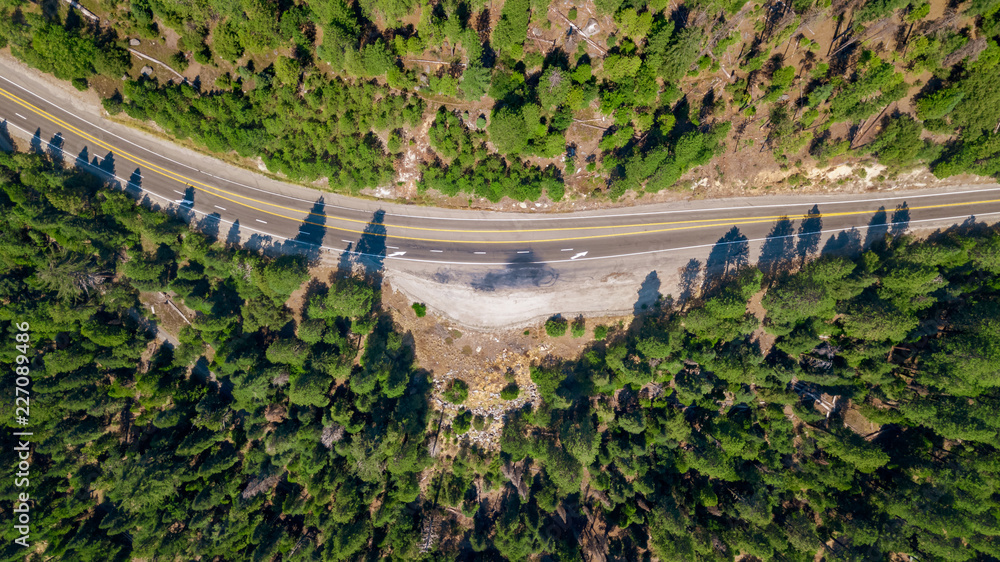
(251, 206)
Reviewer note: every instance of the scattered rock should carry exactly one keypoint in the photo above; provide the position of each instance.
(592, 27)
(134, 42)
(146, 70)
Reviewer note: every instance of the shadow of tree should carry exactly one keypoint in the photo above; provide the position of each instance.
(845, 243)
(259, 242)
(107, 165)
(520, 271)
(36, 142)
(730, 254)
(346, 263)
(648, 295)
(810, 234)
(185, 206)
(371, 248)
(83, 159)
(878, 227)
(55, 149)
(689, 281)
(900, 220)
(210, 225)
(6, 141)
(134, 184)
(309, 240)
(233, 236)
(778, 249)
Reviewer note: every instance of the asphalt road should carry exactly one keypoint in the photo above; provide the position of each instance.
(250, 206)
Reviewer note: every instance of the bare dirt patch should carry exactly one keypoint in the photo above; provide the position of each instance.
(171, 316)
(485, 360)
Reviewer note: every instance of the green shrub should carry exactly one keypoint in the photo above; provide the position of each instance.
(462, 422)
(79, 84)
(420, 309)
(510, 392)
(457, 391)
(579, 327)
(556, 326)
(179, 61)
(600, 332)
(572, 14)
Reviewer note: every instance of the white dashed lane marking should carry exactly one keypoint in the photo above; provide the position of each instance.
(480, 253)
(438, 251)
(260, 221)
(21, 116)
(566, 250)
(218, 207)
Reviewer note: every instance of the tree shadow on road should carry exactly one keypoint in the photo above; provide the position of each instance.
(878, 227)
(730, 254)
(55, 149)
(520, 272)
(185, 207)
(900, 220)
(778, 249)
(309, 240)
(844, 243)
(107, 165)
(83, 159)
(134, 185)
(233, 237)
(6, 141)
(36, 142)
(649, 294)
(689, 282)
(810, 234)
(369, 253)
(211, 225)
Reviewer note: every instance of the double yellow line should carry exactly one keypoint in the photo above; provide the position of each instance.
(229, 196)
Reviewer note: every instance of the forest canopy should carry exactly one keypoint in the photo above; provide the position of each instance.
(520, 100)
(867, 430)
